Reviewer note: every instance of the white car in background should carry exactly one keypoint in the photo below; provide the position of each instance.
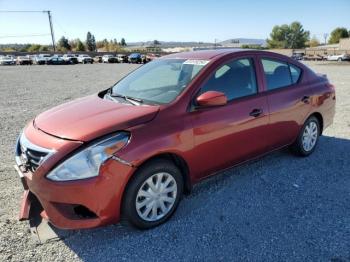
(70, 59)
(342, 57)
(41, 59)
(85, 59)
(109, 59)
(122, 58)
(7, 60)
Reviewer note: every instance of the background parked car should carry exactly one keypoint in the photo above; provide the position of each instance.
(109, 59)
(135, 58)
(314, 58)
(151, 57)
(41, 59)
(85, 59)
(24, 60)
(7, 60)
(98, 59)
(342, 57)
(55, 60)
(70, 59)
(122, 58)
(298, 56)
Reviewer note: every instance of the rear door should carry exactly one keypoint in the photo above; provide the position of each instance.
(288, 100)
(226, 135)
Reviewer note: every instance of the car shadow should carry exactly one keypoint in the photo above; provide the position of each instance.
(279, 207)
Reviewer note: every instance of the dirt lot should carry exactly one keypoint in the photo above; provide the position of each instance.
(278, 208)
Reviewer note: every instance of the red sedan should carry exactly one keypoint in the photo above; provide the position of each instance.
(135, 148)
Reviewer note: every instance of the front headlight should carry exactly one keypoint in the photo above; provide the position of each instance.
(87, 162)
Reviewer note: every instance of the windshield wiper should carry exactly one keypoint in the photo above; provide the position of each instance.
(130, 99)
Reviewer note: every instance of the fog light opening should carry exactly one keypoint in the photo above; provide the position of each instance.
(84, 212)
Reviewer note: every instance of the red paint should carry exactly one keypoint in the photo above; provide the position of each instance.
(212, 98)
(25, 206)
(208, 139)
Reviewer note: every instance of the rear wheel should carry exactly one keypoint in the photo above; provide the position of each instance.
(307, 138)
(153, 194)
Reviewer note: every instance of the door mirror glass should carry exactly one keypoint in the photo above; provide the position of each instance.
(211, 98)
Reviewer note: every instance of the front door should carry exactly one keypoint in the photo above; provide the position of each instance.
(229, 134)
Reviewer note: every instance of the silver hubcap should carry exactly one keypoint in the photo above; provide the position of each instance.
(310, 136)
(156, 196)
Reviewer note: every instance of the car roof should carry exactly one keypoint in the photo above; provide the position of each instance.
(205, 54)
(214, 54)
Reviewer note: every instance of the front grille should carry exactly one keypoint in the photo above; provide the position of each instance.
(30, 156)
(34, 158)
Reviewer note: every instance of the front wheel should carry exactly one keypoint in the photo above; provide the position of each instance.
(153, 194)
(307, 139)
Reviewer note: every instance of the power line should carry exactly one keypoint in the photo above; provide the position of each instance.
(21, 11)
(14, 36)
(35, 11)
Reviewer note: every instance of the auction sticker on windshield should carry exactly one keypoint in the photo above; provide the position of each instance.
(196, 62)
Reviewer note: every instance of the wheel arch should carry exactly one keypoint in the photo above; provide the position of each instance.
(319, 118)
(178, 161)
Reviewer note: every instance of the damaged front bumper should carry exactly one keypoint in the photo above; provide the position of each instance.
(78, 204)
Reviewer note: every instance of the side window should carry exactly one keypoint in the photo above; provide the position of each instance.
(277, 74)
(295, 73)
(235, 79)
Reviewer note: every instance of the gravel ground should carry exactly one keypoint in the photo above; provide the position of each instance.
(278, 208)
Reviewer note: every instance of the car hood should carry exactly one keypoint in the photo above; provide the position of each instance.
(90, 117)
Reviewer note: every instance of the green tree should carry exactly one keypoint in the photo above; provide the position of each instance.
(34, 48)
(90, 42)
(156, 42)
(122, 42)
(313, 42)
(337, 34)
(79, 45)
(43, 48)
(288, 36)
(24, 48)
(63, 44)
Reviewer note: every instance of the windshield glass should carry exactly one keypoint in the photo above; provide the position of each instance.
(160, 81)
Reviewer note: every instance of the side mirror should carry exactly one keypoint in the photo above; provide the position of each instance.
(211, 98)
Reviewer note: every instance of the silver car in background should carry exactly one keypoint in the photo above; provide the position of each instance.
(7, 60)
(342, 57)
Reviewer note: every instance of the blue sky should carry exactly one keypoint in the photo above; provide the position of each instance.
(177, 20)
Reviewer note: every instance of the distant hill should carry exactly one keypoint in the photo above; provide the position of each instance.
(228, 42)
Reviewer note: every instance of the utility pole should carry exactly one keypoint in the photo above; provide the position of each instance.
(51, 29)
(50, 21)
(325, 36)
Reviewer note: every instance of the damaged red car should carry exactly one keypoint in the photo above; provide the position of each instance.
(134, 149)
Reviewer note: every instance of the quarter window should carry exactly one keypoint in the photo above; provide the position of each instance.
(235, 79)
(295, 73)
(279, 74)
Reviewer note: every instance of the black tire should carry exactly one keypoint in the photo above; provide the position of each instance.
(129, 210)
(297, 147)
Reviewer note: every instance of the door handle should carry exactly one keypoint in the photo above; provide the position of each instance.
(256, 112)
(306, 99)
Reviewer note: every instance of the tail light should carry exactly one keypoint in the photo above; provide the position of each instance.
(332, 89)
(330, 86)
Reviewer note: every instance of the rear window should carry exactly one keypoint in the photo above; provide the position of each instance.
(279, 74)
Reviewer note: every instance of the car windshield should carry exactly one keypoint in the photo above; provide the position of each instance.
(160, 81)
